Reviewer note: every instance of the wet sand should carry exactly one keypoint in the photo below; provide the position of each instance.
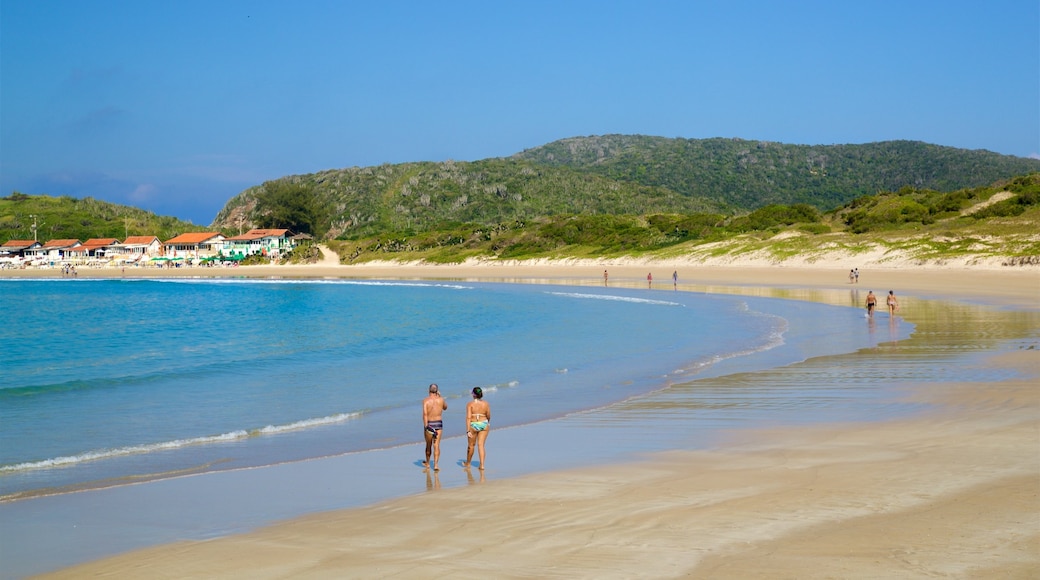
(951, 491)
(1017, 286)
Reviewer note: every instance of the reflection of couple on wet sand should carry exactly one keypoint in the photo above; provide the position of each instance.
(478, 421)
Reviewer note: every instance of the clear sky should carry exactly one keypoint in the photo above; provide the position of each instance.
(177, 106)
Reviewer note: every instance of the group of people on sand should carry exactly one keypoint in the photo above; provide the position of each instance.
(891, 301)
(478, 422)
(649, 279)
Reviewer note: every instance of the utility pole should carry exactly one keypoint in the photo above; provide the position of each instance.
(35, 239)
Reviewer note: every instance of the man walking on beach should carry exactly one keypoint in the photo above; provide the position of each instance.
(871, 303)
(433, 409)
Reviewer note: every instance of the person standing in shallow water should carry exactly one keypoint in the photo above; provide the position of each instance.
(871, 303)
(433, 409)
(893, 304)
(478, 421)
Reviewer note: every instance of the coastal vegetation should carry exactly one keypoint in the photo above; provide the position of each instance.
(618, 175)
(66, 217)
(998, 221)
(741, 174)
(619, 195)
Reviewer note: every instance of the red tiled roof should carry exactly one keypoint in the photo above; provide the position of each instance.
(193, 238)
(99, 242)
(60, 243)
(259, 234)
(18, 243)
(145, 240)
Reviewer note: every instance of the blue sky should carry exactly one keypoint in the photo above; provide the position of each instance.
(177, 106)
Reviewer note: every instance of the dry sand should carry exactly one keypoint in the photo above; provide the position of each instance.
(951, 493)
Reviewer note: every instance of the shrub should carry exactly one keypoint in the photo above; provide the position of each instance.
(815, 229)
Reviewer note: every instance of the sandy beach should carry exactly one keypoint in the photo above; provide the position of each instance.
(953, 491)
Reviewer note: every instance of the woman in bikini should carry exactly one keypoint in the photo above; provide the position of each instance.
(478, 421)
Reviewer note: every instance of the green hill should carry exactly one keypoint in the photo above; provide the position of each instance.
(609, 175)
(995, 224)
(360, 201)
(70, 218)
(744, 175)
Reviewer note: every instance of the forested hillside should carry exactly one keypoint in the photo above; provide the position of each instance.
(608, 175)
(985, 223)
(71, 218)
(418, 196)
(744, 175)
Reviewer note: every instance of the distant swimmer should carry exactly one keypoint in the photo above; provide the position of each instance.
(478, 421)
(433, 408)
(871, 303)
(893, 304)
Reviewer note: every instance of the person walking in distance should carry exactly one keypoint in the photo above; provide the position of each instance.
(478, 421)
(433, 409)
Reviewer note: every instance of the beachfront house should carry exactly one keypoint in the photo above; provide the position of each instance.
(59, 250)
(137, 248)
(194, 245)
(19, 248)
(259, 242)
(94, 248)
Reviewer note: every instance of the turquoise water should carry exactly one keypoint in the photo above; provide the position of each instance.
(108, 381)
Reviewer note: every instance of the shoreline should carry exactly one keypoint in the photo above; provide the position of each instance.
(748, 507)
(847, 500)
(1018, 286)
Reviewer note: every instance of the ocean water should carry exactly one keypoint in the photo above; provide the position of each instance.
(115, 381)
(299, 369)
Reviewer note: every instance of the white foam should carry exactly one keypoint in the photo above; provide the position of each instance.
(324, 281)
(616, 298)
(69, 460)
(307, 423)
